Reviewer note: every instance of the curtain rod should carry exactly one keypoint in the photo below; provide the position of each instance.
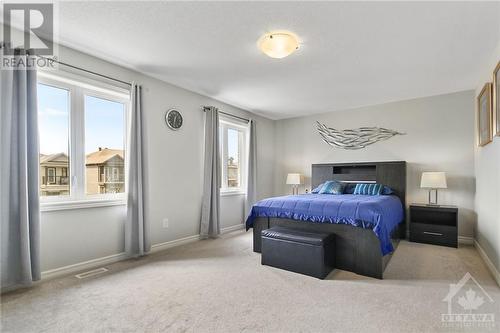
(2, 45)
(87, 71)
(234, 116)
(231, 115)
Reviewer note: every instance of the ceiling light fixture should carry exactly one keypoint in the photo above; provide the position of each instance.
(278, 44)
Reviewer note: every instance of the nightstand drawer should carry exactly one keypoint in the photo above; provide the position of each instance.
(433, 234)
(427, 215)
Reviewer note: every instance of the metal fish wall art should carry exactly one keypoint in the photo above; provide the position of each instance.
(353, 139)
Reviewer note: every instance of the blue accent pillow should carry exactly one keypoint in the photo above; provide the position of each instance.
(386, 190)
(332, 187)
(368, 189)
(317, 189)
(349, 188)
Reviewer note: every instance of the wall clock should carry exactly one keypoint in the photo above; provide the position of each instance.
(173, 118)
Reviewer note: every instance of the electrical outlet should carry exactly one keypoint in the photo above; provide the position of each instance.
(165, 223)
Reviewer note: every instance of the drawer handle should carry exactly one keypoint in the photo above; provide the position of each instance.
(433, 233)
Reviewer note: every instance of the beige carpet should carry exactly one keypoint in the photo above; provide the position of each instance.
(220, 286)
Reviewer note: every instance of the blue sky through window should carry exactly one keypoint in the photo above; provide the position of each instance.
(104, 124)
(53, 120)
(104, 121)
(232, 144)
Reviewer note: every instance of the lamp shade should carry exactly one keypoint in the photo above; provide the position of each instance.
(293, 179)
(433, 180)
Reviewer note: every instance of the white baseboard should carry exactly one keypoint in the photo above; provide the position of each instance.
(167, 245)
(488, 262)
(465, 240)
(232, 228)
(81, 266)
(176, 242)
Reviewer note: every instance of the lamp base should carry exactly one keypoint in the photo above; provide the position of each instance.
(431, 203)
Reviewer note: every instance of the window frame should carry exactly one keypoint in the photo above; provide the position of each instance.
(78, 87)
(226, 123)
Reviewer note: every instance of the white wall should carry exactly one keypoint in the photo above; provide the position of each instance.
(487, 160)
(439, 137)
(71, 237)
(174, 164)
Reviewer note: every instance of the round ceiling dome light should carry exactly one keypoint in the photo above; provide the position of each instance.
(278, 44)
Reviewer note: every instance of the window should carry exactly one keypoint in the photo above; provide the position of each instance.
(53, 122)
(116, 174)
(51, 175)
(104, 145)
(233, 147)
(82, 128)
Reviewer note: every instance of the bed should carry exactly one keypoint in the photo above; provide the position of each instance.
(367, 228)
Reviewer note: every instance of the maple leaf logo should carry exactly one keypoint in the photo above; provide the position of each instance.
(470, 301)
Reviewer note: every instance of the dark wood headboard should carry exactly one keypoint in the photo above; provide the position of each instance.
(392, 174)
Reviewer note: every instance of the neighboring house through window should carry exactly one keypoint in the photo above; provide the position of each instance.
(53, 175)
(99, 178)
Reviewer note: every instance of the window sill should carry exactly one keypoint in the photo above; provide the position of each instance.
(231, 193)
(67, 205)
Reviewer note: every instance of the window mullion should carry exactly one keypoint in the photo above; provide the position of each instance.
(78, 147)
(73, 180)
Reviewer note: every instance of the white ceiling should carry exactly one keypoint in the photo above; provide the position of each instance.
(352, 54)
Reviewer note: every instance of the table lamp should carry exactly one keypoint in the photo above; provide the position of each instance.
(294, 179)
(433, 181)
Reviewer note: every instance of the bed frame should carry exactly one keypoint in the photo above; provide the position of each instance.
(356, 249)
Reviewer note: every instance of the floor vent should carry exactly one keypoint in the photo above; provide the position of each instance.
(91, 273)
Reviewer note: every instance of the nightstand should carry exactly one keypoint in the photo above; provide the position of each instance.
(434, 224)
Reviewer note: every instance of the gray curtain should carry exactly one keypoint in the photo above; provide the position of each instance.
(137, 233)
(210, 210)
(20, 208)
(252, 169)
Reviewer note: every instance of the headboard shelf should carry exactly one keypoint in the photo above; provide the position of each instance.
(355, 169)
(353, 177)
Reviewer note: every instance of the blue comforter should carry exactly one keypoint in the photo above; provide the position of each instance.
(381, 213)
